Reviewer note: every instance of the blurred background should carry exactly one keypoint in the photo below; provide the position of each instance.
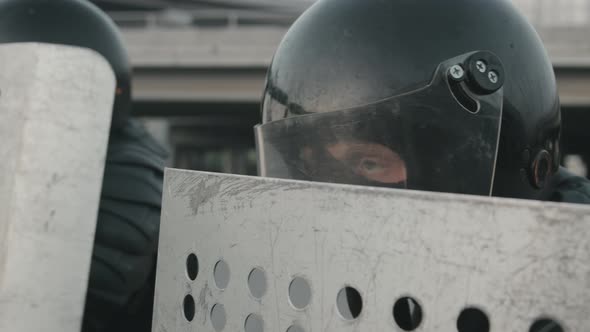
(199, 69)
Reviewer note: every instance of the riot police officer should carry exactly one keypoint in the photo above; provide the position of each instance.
(453, 96)
(120, 290)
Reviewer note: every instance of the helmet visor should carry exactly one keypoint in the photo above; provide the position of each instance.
(424, 140)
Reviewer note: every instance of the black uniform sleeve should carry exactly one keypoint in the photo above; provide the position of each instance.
(569, 188)
(121, 284)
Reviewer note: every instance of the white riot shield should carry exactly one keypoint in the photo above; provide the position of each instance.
(254, 254)
(55, 113)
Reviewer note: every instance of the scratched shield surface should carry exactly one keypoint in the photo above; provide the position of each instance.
(252, 254)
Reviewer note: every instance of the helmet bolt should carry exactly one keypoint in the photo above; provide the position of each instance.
(493, 76)
(457, 72)
(481, 66)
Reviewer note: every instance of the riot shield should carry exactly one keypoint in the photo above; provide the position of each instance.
(55, 113)
(255, 254)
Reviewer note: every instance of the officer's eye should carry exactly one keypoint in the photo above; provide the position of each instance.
(368, 165)
(373, 161)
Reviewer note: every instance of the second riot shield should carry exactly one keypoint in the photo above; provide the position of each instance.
(55, 114)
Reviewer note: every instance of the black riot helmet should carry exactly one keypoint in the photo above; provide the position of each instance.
(452, 96)
(71, 22)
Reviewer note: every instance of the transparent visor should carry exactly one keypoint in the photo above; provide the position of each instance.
(440, 138)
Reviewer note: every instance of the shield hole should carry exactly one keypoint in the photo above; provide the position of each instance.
(546, 325)
(254, 323)
(192, 266)
(473, 320)
(221, 274)
(218, 317)
(188, 306)
(295, 328)
(299, 293)
(257, 283)
(349, 303)
(407, 313)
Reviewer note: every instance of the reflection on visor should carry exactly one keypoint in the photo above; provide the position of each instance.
(424, 140)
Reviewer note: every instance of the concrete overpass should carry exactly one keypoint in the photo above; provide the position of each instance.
(219, 70)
